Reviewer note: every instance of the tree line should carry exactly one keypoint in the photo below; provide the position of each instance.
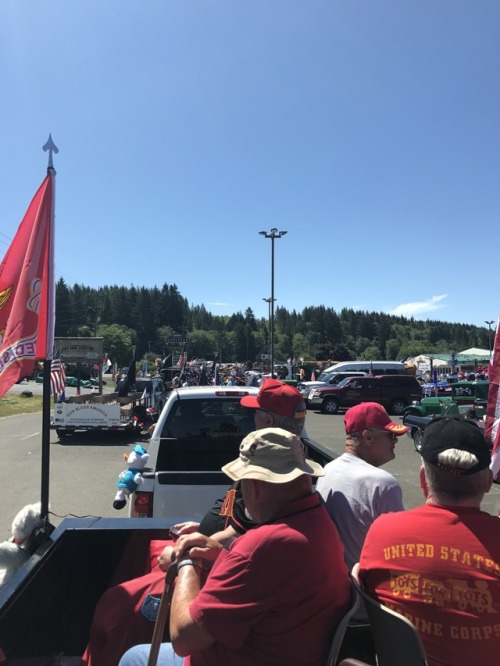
(144, 318)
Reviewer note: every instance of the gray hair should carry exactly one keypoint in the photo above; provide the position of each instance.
(448, 486)
(295, 426)
(457, 459)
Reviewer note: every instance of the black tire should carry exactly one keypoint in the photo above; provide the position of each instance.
(417, 436)
(330, 406)
(63, 435)
(398, 406)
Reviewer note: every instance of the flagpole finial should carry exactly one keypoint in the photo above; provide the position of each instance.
(52, 148)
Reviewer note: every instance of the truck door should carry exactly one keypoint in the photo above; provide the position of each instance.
(353, 392)
(371, 390)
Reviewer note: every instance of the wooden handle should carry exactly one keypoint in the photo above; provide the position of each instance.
(163, 615)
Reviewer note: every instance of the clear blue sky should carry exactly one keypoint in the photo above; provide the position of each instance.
(367, 129)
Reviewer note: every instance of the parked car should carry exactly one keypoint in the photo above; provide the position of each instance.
(324, 380)
(95, 382)
(370, 367)
(394, 392)
(468, 394)
(417, 423)
(74, 381)
(70, 381)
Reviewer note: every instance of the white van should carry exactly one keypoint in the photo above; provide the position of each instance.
(373, 367)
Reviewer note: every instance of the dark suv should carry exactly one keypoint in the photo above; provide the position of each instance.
(394, 392)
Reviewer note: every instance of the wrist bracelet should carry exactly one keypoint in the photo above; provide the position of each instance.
(188, 561)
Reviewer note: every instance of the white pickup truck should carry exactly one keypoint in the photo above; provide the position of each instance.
(198, 431)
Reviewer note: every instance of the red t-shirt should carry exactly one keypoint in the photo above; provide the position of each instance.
(276, 595)
(440, 567)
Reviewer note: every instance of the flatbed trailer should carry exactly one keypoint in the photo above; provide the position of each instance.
(96, 412)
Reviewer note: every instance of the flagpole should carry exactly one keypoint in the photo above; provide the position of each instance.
(45, 465)
(44, 498)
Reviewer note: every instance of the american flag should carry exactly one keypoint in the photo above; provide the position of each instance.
(182, 359)
(57, 374)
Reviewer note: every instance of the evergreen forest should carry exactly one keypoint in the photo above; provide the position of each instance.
(144, 318)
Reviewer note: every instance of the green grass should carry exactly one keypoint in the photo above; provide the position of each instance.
(15, 403)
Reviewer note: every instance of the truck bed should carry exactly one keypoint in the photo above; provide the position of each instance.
(47, 607)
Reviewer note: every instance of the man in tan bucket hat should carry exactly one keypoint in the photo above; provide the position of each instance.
(278, 592)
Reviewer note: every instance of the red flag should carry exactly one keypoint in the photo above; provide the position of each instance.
(492, 425)
(27, 291)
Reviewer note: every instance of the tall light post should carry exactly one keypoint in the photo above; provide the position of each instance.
(269, 301)
(489, 334)
(273, 234)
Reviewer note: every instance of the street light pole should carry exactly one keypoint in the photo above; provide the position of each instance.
(269, 301)
(489, 334)
(274, 233)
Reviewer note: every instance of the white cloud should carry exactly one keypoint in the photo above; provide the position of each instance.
(420, 307)
(219, 304)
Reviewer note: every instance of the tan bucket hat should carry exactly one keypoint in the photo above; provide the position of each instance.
(273, 455)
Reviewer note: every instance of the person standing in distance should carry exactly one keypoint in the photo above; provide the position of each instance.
(356, 491)
(354, 488)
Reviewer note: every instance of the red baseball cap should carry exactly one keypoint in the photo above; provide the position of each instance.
(278, 398)
(371, 415)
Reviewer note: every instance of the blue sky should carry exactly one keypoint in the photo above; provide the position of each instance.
(367, 129)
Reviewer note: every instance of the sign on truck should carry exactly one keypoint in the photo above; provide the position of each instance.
(96, 412)
(88, 415)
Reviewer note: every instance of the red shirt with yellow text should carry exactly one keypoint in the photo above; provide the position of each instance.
(440, 567)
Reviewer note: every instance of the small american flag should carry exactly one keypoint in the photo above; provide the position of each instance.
(57, 374)
(182, 359)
